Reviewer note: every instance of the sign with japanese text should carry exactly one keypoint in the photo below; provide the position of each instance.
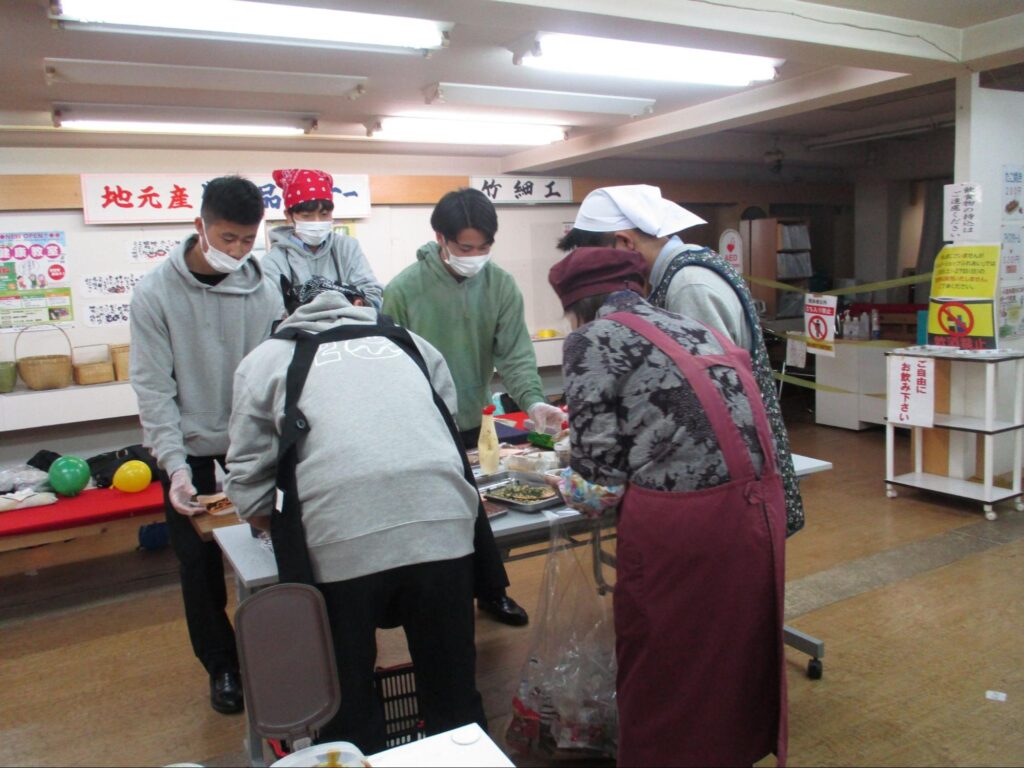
(961, 312)
(524, 189)
(140, 198)
(961, 212)
(820, 324)
(1011, 310)
(1013, 193)
(35, 286)
(796, 353)
(910, 395)
(730, 248)
(1011, 281)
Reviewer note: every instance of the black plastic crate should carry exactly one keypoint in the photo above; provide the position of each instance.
(396, 688)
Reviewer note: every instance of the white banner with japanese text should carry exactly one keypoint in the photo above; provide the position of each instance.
(524, 189)
(910, 395)
(143, 198)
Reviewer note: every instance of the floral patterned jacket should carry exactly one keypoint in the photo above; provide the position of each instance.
(634, 418)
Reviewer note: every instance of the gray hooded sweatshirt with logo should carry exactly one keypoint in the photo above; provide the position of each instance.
(339, 258)
(379, 477)
(187, 339)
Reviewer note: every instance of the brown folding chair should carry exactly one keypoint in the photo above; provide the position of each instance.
(286, 657)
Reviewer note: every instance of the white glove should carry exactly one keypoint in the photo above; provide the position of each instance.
(547, 419)
(182, 492)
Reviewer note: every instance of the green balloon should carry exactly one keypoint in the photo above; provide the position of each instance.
(69, 475)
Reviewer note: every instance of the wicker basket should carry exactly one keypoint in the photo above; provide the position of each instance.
(8, 376)
(44, 371)
(97, 372)
(119, 352)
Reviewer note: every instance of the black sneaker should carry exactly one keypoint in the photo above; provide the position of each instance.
(506, 610)
(226, 693)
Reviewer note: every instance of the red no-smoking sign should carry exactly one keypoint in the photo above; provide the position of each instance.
(955, 319)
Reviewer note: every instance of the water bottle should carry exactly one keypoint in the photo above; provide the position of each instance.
(876, 325)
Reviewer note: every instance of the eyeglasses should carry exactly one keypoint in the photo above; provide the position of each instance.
(468, 249)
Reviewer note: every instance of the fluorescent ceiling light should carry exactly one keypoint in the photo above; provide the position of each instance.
(252, 21)
(525, 98)
(880, 132)
(198, 129)
(136, 75)
(122, 118)
(605, 57)
(458, 131)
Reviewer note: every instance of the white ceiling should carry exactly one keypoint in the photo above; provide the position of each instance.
(848, 65)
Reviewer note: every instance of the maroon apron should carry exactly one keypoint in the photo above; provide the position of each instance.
(699, 596)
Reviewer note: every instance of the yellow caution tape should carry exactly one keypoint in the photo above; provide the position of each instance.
(799, 382)
(884, 343)
(866, 288)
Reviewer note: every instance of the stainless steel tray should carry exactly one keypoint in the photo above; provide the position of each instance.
(488, 483)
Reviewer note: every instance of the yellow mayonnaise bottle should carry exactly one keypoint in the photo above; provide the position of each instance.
(487, 443)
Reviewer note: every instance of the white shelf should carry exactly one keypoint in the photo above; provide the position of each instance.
(963, 454)
(30, 409)
(952, 487)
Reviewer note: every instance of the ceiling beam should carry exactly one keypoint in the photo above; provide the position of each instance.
(795, 20)
(780, 99)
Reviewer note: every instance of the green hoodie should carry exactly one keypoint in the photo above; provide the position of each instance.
(477, 324)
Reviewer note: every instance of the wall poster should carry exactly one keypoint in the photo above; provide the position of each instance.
(147, 251)
(102, 315)
(34, 283)
(961, 311)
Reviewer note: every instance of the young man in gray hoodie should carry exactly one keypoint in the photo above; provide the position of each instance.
(386, 509)
(193, 319)
(308, 246)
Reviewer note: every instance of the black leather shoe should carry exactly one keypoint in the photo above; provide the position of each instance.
(226, 693)
(505, 609)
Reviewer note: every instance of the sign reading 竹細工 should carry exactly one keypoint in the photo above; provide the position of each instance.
(910, 395)
(140, 198)
(524, 189)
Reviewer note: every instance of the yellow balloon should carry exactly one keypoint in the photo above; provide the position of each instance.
(132, 476)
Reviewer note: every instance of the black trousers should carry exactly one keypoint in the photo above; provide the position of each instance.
(434, 604)
(489, 577)
(201, 568)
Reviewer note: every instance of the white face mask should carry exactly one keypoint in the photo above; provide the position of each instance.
(313, 232)
(467, 266)
(218, 260)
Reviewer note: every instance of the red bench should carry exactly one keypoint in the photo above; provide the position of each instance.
(95, 523)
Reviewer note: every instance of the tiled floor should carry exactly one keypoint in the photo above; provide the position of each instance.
(918, 599)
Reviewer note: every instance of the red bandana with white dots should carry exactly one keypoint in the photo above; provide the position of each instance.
(300, 185)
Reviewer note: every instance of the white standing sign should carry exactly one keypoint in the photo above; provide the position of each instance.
(524, 189)
(820, 324)
(730, 248)
(961, 212)
(910, 394)
(142, 198)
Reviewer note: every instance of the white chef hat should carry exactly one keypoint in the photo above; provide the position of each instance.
(638, 206)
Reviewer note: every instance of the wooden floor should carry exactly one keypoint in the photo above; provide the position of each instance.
(918, 599)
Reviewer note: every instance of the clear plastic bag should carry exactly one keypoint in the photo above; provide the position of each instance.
(23, 477)
(564, 706)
